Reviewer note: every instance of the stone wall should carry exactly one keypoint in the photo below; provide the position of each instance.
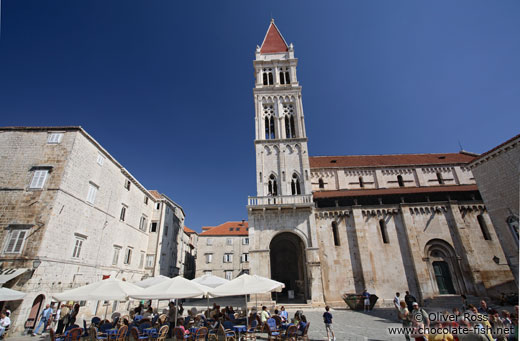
(218, 246)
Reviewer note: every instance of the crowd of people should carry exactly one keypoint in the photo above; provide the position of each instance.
(466, 322)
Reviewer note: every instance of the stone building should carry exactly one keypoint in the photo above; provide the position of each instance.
(70, 214)
(224, 250)
(188, 252)
(331, 225)
(497, 173)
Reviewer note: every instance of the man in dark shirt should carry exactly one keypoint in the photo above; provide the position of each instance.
(409, 299)
(327, 318)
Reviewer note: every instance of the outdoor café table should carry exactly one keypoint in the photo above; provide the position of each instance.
(150, 331)
(240, 328)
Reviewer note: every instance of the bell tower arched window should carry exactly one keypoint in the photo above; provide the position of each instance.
(288, 112)
(269, 122)
(284, 76)
(400, 181)
(295, 185)
(272, 186)
(267, 75)
(321, 184)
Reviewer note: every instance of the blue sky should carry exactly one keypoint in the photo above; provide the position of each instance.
(166, 86)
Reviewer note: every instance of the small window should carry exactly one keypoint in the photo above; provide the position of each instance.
(321, 184)
(245, 241)
(295, 185)
(100, 159)
(272, 186)
(244, 258)
(229, 241)
(123, 213)
(335, 233)
(145, 200)
(229, 275)
(483, 227)
(78, 243)
(158, 206)
(400, 181)
(165, 230)
(127, 184)
(150, 260)
(153, 227)
(115, 258)
(15, 241)
(440, 179)
(228, 258)
(143, 223)
(38, 179)
(54, 138)
(384, 233)
(230, 229)
(128, 256)
(209, 241)
(92, 191)
(361, 183)
(141, 260)
(209, 257)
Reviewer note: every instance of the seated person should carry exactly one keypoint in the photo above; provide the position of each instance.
(264, 315)
(5, 322)
(283, 314)
(148, 313)
(302, 324)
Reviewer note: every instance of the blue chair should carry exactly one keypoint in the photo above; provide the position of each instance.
(134, 332)
(228, 325)
(272, 331)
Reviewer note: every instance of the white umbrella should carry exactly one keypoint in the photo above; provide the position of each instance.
(7, 294)
(247, 285)
(178, 287)
(145, 283)
(106, 290)
(211, 281)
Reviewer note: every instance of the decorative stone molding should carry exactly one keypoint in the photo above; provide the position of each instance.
(359, 172)
(471, 208)
(396, 171)
(380, 212)
(436, 169)
(428, 209)
(332, 214)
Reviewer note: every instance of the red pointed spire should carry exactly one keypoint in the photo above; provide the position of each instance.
(273, 41)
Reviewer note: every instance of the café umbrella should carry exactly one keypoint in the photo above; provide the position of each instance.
(145, 283)
(7, 294)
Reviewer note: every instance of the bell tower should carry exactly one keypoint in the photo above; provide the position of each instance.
(282, 226)
(282, 160)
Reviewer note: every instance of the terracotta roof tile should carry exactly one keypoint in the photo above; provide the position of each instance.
(388, 160)
(390, 191)
(273, 41)
(230, 228)
(155, 194)
(188, 230)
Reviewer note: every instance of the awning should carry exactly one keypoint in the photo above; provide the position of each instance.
(8, 274)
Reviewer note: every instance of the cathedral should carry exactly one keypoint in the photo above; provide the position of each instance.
(331, 225)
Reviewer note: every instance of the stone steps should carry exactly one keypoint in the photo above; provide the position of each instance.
(451, 301)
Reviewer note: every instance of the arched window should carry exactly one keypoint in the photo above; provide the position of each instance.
(400, 181)
(483, 227)
(272, 186)
(295, 185)
(321, 184)
(440, 179)
(267, 76)
(288, 112)
(284, 76)
(335, 233)
(384, 234)
(361, 183)
(269, 121)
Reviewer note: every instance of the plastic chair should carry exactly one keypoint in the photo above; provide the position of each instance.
(201, 334)
(226, 334)
(121, 333)
(304, 336)
(250, 334)
(272, 332)
(163, 333)
(291, 333)
(134, 332)
(278, 320)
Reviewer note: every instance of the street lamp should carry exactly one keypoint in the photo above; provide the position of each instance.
(36, 263)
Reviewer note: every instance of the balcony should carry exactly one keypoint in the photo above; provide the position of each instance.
(281, 200)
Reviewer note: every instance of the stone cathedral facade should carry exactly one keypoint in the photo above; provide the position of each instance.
(331, 225)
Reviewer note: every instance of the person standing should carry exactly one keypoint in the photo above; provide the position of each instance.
(404, 316)
(366, 300)
(63, 318)
(409, 299)
(397, 304)
(420, 315)
(264, 315)
(327, 319)
(44, 319)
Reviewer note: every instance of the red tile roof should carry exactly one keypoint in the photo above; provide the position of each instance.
(188, 230)
(273, 41)
(390, 191)
(229, 228)
(155, 194)
(389, 160)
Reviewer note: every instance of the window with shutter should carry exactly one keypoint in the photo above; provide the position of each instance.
(39, 178)
(15, 241)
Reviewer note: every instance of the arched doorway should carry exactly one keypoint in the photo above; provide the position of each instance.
(444, 268)
(35, 311)
(287, 255)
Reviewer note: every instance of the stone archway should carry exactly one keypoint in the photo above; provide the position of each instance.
(444, 268)
(287, 258)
